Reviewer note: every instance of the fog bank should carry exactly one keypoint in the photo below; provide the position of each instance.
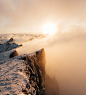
(65, 58)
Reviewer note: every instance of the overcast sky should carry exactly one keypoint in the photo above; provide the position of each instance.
(28, 16)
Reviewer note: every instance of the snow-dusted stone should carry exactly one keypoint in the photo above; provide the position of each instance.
(8, 46)
(11, 80)
(8, 54)
(23, 74)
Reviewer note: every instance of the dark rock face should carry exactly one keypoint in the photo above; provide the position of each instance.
(34, 69)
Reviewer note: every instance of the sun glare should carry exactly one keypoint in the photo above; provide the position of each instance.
(49, 28)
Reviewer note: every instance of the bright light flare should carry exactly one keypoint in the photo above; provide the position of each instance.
(49, 28)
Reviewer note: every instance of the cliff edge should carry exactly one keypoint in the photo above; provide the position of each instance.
(24, 74)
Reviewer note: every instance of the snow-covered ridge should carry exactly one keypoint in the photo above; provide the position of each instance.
(22, 74)
(8, 46)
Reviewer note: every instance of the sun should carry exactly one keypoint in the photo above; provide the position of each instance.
(49, 28)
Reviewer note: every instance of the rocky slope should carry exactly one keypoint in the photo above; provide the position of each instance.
(25, 74)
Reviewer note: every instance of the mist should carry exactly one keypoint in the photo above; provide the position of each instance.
(29, 16)
(65, 59)
(65, 51)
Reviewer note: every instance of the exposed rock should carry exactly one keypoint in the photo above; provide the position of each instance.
(21, 74)
(8, 54)
(8, 46)
(13, 54)
(34, 69)
(24, 74)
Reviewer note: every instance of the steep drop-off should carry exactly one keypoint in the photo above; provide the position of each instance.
(24, 74)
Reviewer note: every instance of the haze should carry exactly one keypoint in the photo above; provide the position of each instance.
(66, 50)
(29, 16)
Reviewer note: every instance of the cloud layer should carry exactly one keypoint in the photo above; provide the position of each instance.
(30, 15)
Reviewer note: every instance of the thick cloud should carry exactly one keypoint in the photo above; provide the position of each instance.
(65, 59)
(31, 15)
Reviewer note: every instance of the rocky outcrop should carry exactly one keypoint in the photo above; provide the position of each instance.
(24, 74)
(8, 46)
(35, 69)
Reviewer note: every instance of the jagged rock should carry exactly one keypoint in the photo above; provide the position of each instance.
(8, 46)
(23, 74)
(34, 69)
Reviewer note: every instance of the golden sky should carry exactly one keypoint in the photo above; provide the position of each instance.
(28, 16)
